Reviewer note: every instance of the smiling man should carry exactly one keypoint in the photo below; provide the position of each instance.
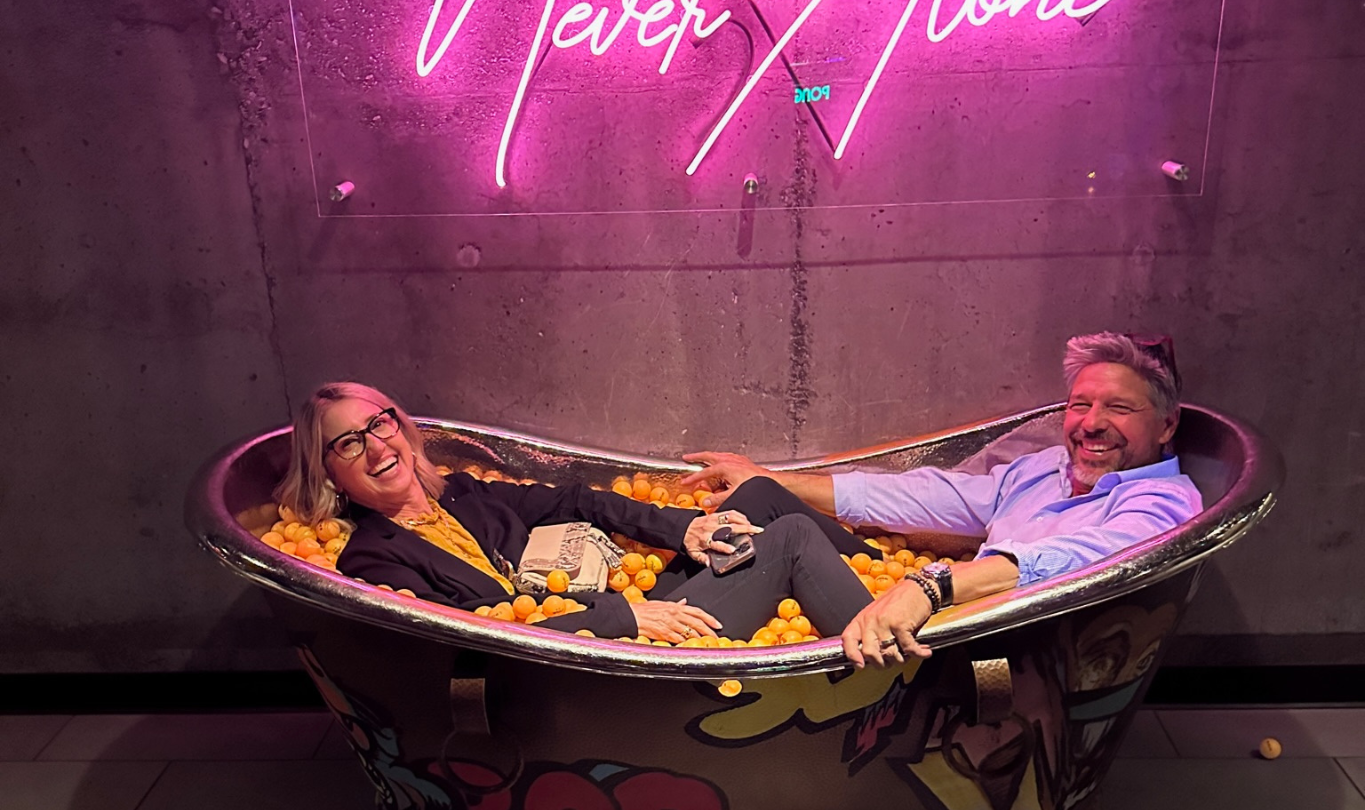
(1108, 486)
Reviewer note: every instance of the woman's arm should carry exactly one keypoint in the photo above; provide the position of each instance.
(611, 616)
(540, 505)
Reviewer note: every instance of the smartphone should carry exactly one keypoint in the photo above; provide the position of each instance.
(723, 563)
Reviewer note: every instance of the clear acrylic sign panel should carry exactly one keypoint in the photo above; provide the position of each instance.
(559, 107)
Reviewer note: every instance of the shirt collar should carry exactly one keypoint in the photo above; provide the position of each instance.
(1167, 467)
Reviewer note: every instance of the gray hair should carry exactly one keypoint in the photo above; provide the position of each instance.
(1110, 347)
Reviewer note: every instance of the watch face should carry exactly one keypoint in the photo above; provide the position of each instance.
(935, 568)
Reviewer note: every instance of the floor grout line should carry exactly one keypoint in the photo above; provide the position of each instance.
(55, 734)
(1167, 734)
(165, 766)
(1359, 786)
(326, 731)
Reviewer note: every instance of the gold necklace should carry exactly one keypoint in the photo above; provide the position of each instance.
(430, 519)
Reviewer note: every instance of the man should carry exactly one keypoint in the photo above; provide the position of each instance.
(1108, 486)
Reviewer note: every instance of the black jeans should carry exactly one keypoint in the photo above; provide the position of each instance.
(763, 500)
(795, 556)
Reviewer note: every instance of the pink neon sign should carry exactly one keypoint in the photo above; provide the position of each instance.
(585, 22)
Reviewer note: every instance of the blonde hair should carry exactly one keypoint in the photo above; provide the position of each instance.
(306, 488)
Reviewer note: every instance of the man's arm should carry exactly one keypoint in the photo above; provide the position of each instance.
(900, 612)
(729, 470)
(1142, 513)
(920, 499)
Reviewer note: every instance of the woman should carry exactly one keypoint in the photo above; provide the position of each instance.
(457, 540)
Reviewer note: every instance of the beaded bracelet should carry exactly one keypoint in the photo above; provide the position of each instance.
(935, 601)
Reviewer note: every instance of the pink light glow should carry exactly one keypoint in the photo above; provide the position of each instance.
(521, 93)
(583, 12)
(578, 13)
(978, 13)
(872, 82)
(749, 85)
(699, 27)
(594, 29)
(424, 66)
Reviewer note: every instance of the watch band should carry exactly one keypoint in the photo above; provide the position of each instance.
(942, 575)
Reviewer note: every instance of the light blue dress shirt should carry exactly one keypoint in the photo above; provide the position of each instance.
(1025, 508)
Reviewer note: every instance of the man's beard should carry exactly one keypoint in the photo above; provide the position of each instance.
(1089, 474)
(1085, 476)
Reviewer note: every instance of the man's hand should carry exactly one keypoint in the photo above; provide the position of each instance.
(698, 540)
(898, 614)
(674, 622)
(724, 472)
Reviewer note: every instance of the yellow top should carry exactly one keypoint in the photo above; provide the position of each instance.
(442, 530)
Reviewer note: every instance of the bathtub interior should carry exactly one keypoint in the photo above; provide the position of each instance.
(1210, 453)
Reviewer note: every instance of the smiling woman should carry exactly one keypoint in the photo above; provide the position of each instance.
(382, 472)
(459, 541)
(340, 426)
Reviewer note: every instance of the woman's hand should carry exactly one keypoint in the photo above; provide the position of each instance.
(698, 538)
(674, 622)
(724, 471)
(895, 617)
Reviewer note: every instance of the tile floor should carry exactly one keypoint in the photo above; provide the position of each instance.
(1173, 759)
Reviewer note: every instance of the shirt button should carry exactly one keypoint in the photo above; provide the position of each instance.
(1038, 519)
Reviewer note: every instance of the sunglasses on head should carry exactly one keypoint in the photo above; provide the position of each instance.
(1160, 348)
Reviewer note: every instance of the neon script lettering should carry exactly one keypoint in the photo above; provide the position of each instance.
(977, 12)
(595, 32)
(582, 22)
(667, 21)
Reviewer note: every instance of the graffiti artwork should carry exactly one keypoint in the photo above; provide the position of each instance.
(905, 734)
(469, 784)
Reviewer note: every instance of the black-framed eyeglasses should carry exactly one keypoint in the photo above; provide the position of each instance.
(1160, 348)
(383, 425)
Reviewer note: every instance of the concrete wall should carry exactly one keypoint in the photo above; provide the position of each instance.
(170, 285)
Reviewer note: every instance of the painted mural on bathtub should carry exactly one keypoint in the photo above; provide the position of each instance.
(466, 784)
(903, 731)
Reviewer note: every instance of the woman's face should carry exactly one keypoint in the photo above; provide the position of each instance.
(381, 477)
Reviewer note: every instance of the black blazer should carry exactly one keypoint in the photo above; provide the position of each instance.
(500, 516)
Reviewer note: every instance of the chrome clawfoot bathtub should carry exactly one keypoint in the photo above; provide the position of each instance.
(1022, 706)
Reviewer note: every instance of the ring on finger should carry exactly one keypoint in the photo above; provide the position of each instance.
(691, 632)
(722, 518)
(887, 642)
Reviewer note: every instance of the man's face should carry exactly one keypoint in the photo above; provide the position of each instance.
(1111, 424)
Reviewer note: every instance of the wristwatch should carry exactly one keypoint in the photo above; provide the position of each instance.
(942, 575)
